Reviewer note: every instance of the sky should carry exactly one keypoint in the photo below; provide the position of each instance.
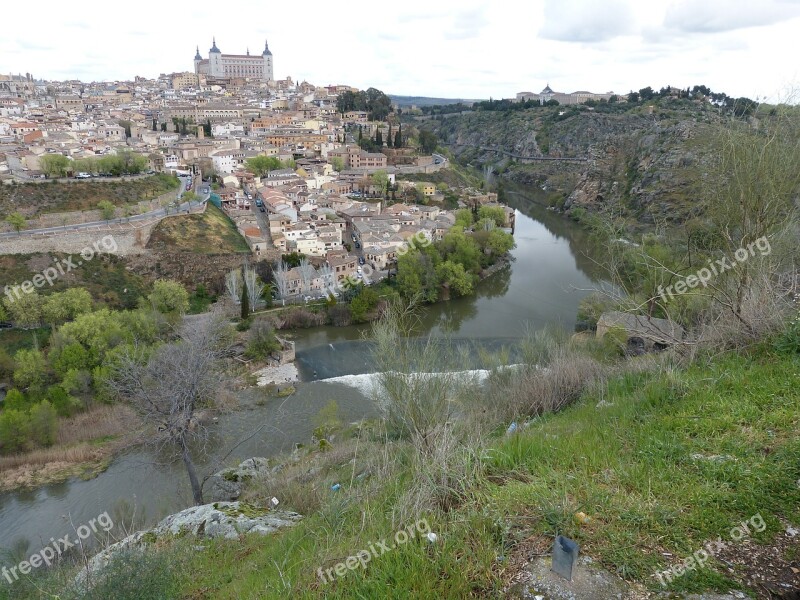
(448, 48)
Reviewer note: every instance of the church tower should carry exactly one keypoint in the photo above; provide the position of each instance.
(197, 59)
(215, 67)
(267, 55)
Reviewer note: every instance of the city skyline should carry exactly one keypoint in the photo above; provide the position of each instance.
(464, 49)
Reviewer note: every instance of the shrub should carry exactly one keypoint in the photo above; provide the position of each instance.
(63, 404)
(16, 400)
(340, 315)
(789, 341)
(136, 575)
(14, 430)
(262, 341)
(44, 423)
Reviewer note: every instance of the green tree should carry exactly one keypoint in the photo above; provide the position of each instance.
(30, 368)
(427, 141)
(107, 209)
(43, 423)
(190, 197)
(127, 126)
(464, 218)
(381, 180)
(338, 163)
(462, 249)
(398, 137)
(417, 274)
(495, 213)
(17, 221)
(259, 165)
(64, 306)
(245, 302)
(86, 165)
(26, 309)
(64, 404)
(55, 165)
(16, 400)
(456, 278)
(500, 242)
(169, 297)
(378, 137)
(14, 431)
(364, 302)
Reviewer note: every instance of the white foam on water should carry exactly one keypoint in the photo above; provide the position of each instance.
(369, 383)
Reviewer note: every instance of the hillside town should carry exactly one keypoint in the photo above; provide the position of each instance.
(298, 168)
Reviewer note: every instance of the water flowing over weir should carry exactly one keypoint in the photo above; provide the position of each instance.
(543, 285)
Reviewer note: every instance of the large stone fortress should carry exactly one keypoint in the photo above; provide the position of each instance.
(234, 65)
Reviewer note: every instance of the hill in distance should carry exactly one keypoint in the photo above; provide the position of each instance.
(404, 101)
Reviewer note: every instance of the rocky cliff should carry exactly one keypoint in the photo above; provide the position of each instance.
(642, 162)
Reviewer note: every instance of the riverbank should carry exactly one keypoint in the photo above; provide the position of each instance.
(641, 472)
(85, 446)
(633, 473)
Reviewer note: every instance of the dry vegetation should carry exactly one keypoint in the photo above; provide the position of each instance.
(211, 232)
(84, 444)
(32, 199)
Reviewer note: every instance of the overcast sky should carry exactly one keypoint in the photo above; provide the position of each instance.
(449, 48)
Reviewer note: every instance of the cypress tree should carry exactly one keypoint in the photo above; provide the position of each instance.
(379, 138)
(398, 138)
(245, 301)
(389, 137)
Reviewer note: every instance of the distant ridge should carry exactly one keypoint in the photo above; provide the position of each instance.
(425, 101)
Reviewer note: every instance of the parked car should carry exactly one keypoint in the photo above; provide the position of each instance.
(5, 325)
(258, 201)
(358, 245)
(262, 209)
(361, 260)
(83, 176)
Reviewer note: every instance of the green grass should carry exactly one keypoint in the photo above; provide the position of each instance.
(211, 232)
(627, 464)
(630, 465)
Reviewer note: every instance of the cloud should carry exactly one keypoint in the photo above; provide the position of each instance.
(467, 25)
(586, 20)
(714, 16)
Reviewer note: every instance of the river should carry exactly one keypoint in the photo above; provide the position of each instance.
(550, 273)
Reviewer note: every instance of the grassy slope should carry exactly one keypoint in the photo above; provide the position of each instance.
(211, 232)
(36, 198)
(628, 465)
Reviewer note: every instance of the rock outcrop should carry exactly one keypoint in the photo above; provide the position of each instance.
(227, 520)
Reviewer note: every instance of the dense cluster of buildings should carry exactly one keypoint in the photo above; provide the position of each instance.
(211, 121)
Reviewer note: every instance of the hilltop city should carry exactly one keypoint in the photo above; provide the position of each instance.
(296, 167)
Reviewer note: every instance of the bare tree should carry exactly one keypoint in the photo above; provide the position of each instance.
(307, 274)
(328, 277)
(255, 287)
(233, 285)
(280, 274)
(169, 386)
